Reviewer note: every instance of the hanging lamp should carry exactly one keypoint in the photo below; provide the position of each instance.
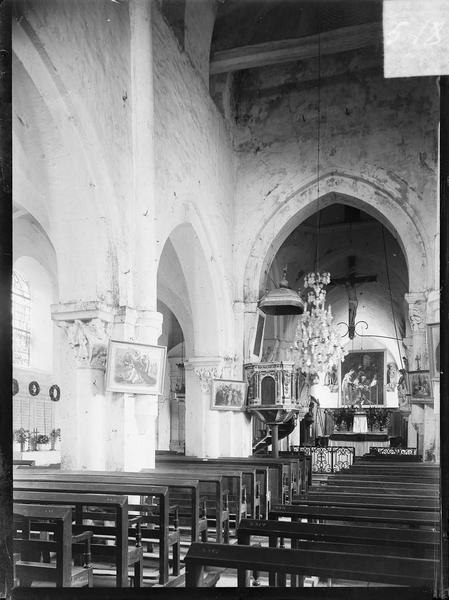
(282, 300)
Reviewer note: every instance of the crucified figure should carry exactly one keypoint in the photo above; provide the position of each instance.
(350, 283)
(352, 309)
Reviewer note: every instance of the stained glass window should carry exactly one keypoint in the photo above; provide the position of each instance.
(21, 320)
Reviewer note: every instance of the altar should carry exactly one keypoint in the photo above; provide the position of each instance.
(362, 442)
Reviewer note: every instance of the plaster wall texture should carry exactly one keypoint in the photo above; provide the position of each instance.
(381, 130)
(82, 131)
(195, 166)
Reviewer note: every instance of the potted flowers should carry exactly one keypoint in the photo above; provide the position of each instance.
(21, 436)
(55, 435)
(41, 440)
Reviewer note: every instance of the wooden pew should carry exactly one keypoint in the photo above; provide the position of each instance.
(122, 554)
(240, 486)
(409, 518)
(389, 478)
(341, 538)
(113, 485)
(58, 520)
(426, 489)
(198, 523)
(258, 492)
(281, 481)
(213, 489)
(418, 572)
(380, 489)
(401, 468)
(421, 543)
(322, 498)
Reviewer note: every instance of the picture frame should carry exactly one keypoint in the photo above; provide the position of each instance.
(134, 368)
(420, 386)
(362, 378)
(433, 340)
(256, 343)
(228, 394)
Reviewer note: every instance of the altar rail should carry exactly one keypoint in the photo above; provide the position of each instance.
(337, 420)
(328, 460)
(393, 451)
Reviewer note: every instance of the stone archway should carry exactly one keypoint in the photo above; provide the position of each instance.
(384, 204)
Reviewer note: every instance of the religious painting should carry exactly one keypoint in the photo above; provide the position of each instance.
(228, 394)
(420, 384)
(433, 338)
(362, 378)
(256, 346)
(135, 368)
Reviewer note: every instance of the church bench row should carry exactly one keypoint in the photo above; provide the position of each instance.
(119, 528)
(194, 495)
(420, 469)
(386, 477)
(416, 542)
(247, 489)
(228, 498)
(364, 482)
(330, 512)
(142, 481)
(287, 476)
(378, 489)
(258, 493)
(38, 519)
(113, 485)
(350, 539)
(409, 503)
(406, 571)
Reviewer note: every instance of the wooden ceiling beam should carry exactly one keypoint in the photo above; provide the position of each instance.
(283, 51)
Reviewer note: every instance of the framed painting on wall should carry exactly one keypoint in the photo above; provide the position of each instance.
(256, 345)
(420, 386)
(362, 378)
(135, 368)
(228, 394)
(433, 340)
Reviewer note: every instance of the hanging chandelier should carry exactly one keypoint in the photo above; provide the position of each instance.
(317, 340)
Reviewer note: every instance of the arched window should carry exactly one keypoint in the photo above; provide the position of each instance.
(21, 320)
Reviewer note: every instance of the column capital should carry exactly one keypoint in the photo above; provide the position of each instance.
(82, 311)
(88, 326)
(206, 368)
(89, 341)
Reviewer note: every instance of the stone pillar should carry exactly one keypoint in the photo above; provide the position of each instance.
(83, 410)
(213, 433)
(132, 418)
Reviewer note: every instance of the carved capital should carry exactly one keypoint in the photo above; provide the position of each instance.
(206, 368)
(206, 376)
(89, 341)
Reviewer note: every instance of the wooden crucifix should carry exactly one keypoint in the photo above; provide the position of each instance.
(350, 283)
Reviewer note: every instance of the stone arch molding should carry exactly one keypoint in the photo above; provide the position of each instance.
(213, 326)
(389, 206)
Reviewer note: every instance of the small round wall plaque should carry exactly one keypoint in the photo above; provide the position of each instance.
(54, 393)
(34, 388)
(15, 387)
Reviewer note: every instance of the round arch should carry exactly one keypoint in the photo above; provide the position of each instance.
(208, 295)
(384, 204)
